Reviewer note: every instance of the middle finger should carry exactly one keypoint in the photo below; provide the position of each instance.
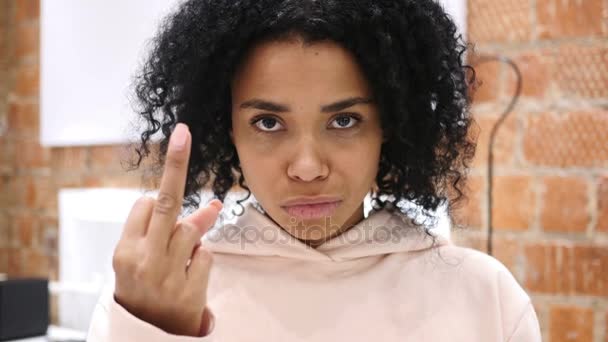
(171, 193)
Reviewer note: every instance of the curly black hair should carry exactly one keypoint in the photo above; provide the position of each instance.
(409, 51)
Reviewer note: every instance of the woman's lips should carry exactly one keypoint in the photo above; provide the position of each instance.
(312, 211)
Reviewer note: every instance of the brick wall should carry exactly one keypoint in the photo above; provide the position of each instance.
(550, 208)
(551, 203)
(31, 175)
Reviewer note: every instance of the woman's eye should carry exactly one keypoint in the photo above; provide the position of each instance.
(267, 124)
(345, 121)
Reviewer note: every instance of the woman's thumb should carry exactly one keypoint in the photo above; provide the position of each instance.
(205, 217)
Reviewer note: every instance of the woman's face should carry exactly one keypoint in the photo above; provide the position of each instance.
(303, 126)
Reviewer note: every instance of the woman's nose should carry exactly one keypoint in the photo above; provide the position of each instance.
(308, 162)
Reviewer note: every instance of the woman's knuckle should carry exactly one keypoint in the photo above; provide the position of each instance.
(188, 229)
(141, 201)
(119, 259)
(146, 201)
(165, 204)
(142, 273)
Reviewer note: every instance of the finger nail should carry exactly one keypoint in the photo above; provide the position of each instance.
(217, 203)
(179, 137)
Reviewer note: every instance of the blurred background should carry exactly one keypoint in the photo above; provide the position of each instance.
(549, 200)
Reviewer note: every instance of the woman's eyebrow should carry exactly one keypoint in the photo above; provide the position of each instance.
(343, 104)
(281, 108)
(265, 105)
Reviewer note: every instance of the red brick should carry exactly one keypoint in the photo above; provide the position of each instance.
(65, 180)
(23, 119)
(593, 265)
(120, 180)
(24, 224)
(106, 158)
(566, 269)
(499, 21)
(508, 251)
(10, 188)
(30, 154)
(7, 155)
(3, 260)
(14, 262)
(487, 81)
(31, 193)
(571, 324)
(541, 271)
(27, 42)
(559, 19)
(15, 194)
(581, 71)
(61, 181)
(46, 239)
(469, 211)
(12, 233)
(602, 204)
(567, 140)
(27, 82)
(36, 264)
(565, 204)
(27, 10)
(514, 203)
(92, 181)
(3, 45)
(37, 192)
(73, 159)
(4, 228)
(536, 70)
(504, 143)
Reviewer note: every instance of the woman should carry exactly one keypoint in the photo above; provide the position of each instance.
(309, 105)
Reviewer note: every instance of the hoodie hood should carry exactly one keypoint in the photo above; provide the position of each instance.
(381, 232)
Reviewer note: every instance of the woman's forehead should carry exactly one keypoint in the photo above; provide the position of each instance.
(291, 67)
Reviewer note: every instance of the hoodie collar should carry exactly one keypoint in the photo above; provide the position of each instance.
(381, 232)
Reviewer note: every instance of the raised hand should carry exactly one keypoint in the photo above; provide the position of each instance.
(161, 269)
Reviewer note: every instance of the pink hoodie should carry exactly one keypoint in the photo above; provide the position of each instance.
(379, 281)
